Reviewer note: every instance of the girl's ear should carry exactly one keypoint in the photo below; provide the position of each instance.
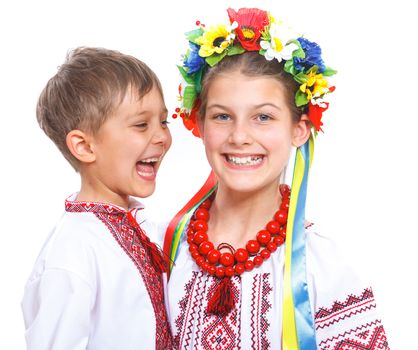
(79, 145)
(301, 131)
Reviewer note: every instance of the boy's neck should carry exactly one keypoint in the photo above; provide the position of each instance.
(95, 191)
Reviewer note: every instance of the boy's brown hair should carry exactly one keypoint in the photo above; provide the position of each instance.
(87, 88)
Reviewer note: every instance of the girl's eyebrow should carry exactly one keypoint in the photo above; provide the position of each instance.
(267, 104)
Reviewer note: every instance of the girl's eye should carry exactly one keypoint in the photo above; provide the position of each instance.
(165, 122)
(222, 117)
(263, 117)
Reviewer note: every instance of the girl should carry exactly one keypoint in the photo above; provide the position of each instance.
(249, 273)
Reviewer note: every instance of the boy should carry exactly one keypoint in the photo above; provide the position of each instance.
(97, 283)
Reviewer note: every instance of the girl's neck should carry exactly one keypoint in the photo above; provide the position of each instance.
(236, 218)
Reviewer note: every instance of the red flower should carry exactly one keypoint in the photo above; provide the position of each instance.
(315, 115)
(190, 121)
(250, 24)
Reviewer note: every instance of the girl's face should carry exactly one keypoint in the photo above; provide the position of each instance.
(248, 131)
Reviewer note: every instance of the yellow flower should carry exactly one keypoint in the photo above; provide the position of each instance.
(315, 85)
(215, 40)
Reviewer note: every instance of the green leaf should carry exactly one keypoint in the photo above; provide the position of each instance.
(198, 80)
(215, 58)
(299, 52)
(328, 72)
(188, 78)
(194, 34)
(235, 50)
(290, 67)
(189, 96)
(301, 78)
(301, 99)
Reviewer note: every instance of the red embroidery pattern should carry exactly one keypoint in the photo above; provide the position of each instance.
(208, 331)
(353, 305)
(117, 222)
(370, 336)
(261, 305)
(187, 312)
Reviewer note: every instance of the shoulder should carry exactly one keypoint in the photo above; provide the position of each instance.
(72, 245)
(154, 229)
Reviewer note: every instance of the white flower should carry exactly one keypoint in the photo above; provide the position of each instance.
(280, 46)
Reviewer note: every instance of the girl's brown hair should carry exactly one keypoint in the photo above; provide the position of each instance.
(252, 64)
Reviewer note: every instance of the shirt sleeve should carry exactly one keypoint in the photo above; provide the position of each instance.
(57, 308)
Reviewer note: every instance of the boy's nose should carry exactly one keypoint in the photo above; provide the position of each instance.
(162, 136)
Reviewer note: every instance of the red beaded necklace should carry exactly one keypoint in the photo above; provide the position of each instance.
(225, 265)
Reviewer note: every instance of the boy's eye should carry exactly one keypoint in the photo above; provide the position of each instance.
(263, 117)
(141, 125)
(165, 122)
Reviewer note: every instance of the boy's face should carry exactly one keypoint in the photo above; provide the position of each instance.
(129, 148)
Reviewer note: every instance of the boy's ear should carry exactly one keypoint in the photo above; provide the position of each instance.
(301, 131)
(79, 145)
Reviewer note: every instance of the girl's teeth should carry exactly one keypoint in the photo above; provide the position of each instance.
(250, 160)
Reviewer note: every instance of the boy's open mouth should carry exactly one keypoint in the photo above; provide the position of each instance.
(146, 167)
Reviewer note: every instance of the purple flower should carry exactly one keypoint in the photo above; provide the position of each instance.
(193, 61)
(312, 56)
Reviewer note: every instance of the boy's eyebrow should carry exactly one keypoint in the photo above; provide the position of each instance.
(146, 111)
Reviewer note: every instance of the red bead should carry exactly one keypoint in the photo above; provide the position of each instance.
(200, 260)
(201, 214)
(283, 235)
(272, 246)
(192, 247)
(229, 271)
(284, 190)
(249, 265)
(205, 247)
(263, 237)
(213, 256)
(285, 205)
(174, 116)
(239, 269)
(278, 240)
(265, 254)
(241, 255)
(253, 246)
(198, 23)
(273, 227)
(212, 270)
(199, 237)
(177, 110)
(258, 260)
(200, 225)
(281, 217)
(205, 266)
(220, 272)
(226, 259)
(195, 254)
(190, 239)
(206, 204)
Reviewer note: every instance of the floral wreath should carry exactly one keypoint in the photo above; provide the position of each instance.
(251, 29)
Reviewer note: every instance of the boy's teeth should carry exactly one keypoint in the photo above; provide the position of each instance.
(250, 160)
(150, 160)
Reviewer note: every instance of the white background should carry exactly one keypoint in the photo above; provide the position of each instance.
(363, 185)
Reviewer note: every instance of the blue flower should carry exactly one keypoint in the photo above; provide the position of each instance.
(312, 56)
(193, 61)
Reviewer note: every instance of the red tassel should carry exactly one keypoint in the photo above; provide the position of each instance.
(222, 300)
(158, 259)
